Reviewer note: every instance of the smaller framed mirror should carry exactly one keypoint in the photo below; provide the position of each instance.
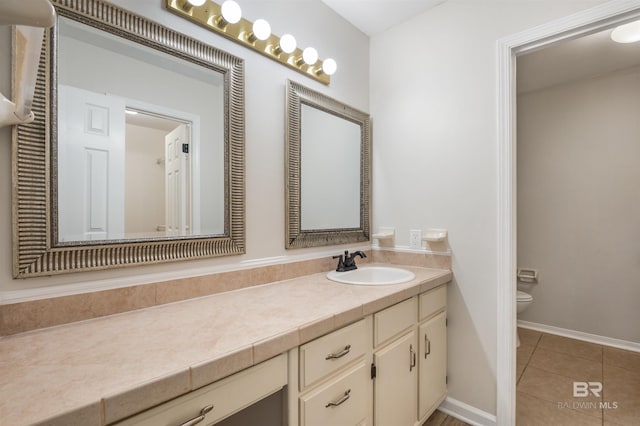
(328, 170)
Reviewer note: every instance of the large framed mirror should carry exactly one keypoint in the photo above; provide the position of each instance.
(328, 170)
(136, 155)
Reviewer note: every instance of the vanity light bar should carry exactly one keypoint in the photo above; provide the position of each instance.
(209, 15)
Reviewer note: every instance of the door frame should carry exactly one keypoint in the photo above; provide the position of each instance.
(193, 129)
(596, 19)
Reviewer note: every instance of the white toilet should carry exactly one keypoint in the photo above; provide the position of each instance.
(523, 301)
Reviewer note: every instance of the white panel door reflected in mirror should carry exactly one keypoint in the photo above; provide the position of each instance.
(140, 141)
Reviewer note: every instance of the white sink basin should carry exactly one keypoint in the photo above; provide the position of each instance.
(372, 275)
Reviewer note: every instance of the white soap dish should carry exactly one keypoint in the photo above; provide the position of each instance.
(434, 235)
(386, 236)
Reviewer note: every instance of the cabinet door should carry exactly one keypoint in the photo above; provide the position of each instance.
(433, 363)
(395, 399)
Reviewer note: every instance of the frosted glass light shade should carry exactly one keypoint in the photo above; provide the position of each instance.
(329, 66)
(627, 33)
(197, 2)
(288, 43)
(261, 29)
(310, 55)
(231, 11)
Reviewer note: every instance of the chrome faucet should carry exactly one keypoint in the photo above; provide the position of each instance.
(348, 262)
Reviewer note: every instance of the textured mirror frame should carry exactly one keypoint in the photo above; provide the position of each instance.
(34, 197)
(295, 237)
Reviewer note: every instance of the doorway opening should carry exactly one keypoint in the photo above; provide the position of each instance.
(593, 20)
(157, 169)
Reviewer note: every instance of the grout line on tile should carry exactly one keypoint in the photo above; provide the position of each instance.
(553, 372)
(527, 365)
(569, 354)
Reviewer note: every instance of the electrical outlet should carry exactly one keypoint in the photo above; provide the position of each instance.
(415, 238)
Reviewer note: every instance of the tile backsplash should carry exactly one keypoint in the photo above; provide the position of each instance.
(25, 316)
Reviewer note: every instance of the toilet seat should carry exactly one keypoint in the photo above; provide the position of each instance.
(523, 297)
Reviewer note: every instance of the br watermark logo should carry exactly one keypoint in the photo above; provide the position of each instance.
(586, 390)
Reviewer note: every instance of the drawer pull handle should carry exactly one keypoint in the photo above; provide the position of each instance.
(339, 354)
(427, 346)
(342, 399)
(412, 358)
(200, 417)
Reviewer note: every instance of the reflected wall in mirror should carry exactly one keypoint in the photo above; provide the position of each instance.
(137, 152)
(327, 170)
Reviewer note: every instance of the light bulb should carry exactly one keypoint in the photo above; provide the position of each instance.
(261, 29)
(329, 66)
(197, 2)
(627, 33)
(231, 11)
(287, 43)
(310, 55)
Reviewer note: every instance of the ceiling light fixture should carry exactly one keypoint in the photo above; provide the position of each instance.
(261, 31)
(231, 12)
(288, 43)
(226, 20)
(329, 66)
(627, 33)
(310, 56)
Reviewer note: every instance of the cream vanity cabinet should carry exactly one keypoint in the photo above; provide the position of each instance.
(388, 369)
(334, 378)
(396, 368)
(432, 354)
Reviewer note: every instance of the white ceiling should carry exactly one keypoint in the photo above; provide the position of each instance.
(152, 122)
(576, 59)
(571, 60)
(374, 16)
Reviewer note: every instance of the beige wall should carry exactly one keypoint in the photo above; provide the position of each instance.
(144, 195)
(313, 24)
(579, 204)
(435, 157)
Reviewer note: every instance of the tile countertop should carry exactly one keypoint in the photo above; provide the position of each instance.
(99, 371)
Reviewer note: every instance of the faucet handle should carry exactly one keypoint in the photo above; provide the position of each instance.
(340, 267)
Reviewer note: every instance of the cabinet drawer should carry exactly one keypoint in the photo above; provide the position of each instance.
(394, 320)
(343, 401)
(329, 353)
(433, 301)
(227, 396)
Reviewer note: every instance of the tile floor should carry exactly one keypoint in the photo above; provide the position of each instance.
(547, 367)
(438, 418)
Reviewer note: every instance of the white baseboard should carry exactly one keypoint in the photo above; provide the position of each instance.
(579, 335)
(467, 413)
